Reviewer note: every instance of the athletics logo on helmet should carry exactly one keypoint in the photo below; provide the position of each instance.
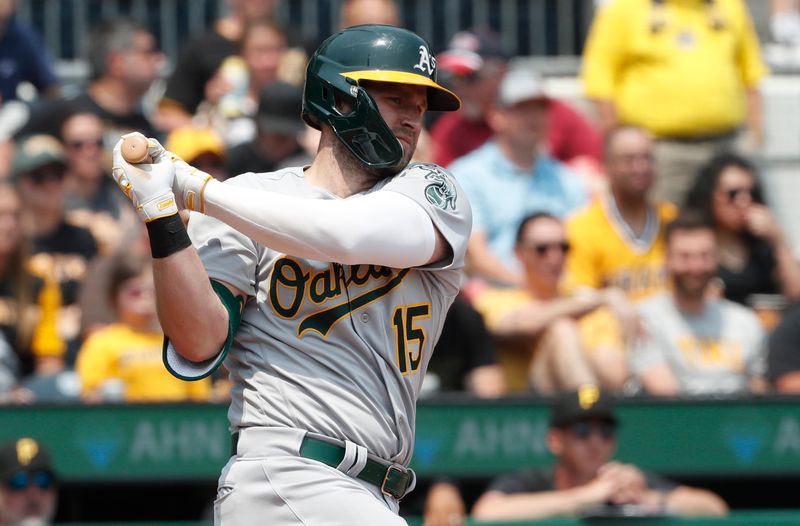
(376, 53)
(427, 63)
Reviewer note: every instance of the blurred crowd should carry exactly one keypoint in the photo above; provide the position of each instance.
(622, 241)
(622, 244)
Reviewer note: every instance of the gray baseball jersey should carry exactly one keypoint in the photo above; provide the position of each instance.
(336, 349)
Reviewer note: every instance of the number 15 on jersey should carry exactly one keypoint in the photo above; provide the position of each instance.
(409, 336)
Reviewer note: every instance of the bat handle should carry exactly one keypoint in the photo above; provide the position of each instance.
(134, 150)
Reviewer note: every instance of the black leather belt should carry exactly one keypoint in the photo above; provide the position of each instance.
(392, 479)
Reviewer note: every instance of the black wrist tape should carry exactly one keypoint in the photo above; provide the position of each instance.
(167, 236)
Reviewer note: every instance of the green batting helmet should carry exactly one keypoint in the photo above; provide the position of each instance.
(368, 52)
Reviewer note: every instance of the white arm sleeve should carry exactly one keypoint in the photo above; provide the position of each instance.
(380, 228)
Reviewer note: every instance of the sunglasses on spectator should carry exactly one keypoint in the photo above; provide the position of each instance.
(733, 193)
(45, 174)
(79, 145)
(584, 430)
(543, 248)
(23, 479)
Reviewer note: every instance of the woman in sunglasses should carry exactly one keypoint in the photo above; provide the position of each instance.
(91, 199)
(755, 256)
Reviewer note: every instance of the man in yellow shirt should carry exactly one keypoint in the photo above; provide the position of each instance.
(685, 70)
(618, 241)
(123, 360)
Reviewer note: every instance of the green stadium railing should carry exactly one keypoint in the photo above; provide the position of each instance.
(462, 438)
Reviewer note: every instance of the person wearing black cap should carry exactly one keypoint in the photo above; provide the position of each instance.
(584, 479)
(59, 254)
(39, 168)
(279, 126)
(28, 484)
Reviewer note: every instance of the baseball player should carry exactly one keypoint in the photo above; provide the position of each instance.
(323, 288)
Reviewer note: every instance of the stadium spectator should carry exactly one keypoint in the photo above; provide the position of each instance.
(28, 484)
(51, 380)
(200, 59)
(618, 239)
(91, 198)
(9, 370)
(618, 242)
(123, 63)
(783, 357)
(232, 94)
(123, 361)
(444, 505)
(20, 290)
(535, 325)
(357, 12)
(694, 343)
(60, 251)
(785, 22)
(755, 256)
(510, 177)
(473, 66)
(23, 58)
(95, 305)
(279, 127)
(28, 306)
(200, 146)
(584, 480)
(636, 50)
(464, 357)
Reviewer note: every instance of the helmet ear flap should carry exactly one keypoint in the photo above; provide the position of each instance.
(366, 134)
(362, 129)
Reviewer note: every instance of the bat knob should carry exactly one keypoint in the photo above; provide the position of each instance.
(134, 150)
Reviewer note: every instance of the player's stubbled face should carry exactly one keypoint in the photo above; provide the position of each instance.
(402, 107)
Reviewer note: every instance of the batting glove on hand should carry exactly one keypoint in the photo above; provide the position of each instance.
(189, 185)
(148, 186)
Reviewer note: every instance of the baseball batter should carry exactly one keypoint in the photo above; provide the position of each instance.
(322, 288)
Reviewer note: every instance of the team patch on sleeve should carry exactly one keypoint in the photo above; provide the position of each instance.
(441, 192)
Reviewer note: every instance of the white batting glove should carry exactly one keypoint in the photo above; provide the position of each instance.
(148, 186)
(189, 185)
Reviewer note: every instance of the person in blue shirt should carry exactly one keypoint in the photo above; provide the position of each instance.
(510, 177)
(22, 58)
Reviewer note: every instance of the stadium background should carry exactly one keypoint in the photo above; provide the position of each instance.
(159, 463)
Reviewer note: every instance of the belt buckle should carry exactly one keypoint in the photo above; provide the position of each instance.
(388, 492)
